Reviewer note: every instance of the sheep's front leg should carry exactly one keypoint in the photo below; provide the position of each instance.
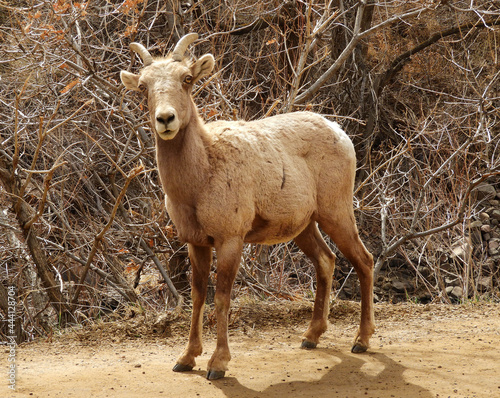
(201, 258)
(228, 261)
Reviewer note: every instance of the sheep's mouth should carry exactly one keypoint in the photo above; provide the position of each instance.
(167, 134)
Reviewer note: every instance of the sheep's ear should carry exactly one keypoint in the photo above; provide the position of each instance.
(130, 80)
(202, 67)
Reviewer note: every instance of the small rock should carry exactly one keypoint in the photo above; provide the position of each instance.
(455, 291)
(484, 191)
(495, 214)
(399, 286)
(486, 228)
(484, 216)
(476, 224)
(461, 249)
(484, 283)
(493, 245)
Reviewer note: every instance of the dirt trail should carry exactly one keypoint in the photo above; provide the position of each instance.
(417, 351)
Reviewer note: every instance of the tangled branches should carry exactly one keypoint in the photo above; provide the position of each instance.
(416, 84)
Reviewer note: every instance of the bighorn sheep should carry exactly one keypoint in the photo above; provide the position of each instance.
(265, 181)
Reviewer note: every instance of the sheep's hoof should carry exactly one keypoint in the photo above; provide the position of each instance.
(308, 345)
(358, 348)
(179, 367)
(215, 374)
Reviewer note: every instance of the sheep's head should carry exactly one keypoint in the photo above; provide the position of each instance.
(168, 83)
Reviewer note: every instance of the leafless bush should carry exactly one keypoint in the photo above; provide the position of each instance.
(415, 83)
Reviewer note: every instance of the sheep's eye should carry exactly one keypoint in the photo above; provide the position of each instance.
(188, 79)
(142, 88)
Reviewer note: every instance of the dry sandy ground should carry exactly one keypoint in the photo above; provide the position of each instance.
(417, 351)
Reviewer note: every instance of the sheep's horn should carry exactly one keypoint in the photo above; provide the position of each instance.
(182, 45)
(147, 59)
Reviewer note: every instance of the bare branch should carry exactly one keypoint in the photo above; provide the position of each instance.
(97, 240)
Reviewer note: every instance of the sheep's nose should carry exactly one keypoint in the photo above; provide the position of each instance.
(165, 118)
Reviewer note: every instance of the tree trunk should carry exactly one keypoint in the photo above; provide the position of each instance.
(24, 214)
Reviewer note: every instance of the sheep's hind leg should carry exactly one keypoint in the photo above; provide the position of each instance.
(345, 235)
(201, 258)
(312, 244)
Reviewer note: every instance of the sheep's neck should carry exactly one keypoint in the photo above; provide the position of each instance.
(183, 162)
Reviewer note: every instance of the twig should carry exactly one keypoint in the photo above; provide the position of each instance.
(43, 200)
(97, 240)
(388, 251)
(146, 248)
(357, 36)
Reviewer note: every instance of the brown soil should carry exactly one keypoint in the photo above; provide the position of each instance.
(417, 351)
